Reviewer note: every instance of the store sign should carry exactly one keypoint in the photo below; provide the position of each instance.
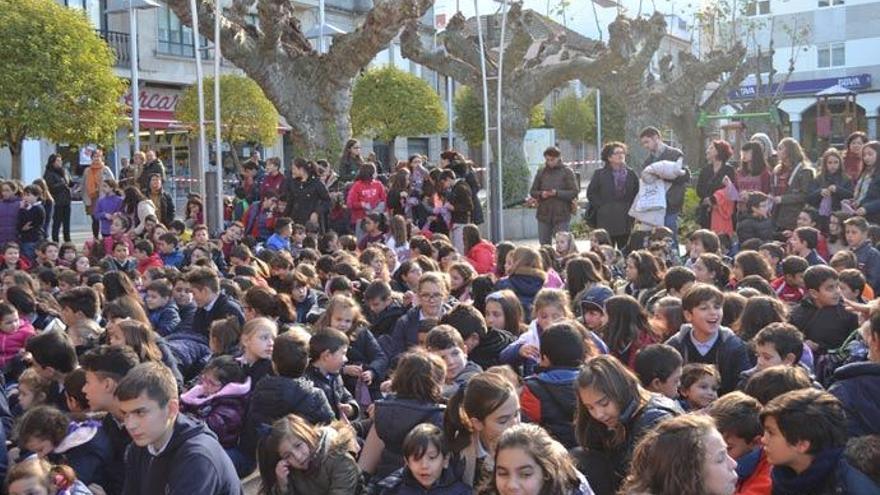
(808, 87)
(157, 99)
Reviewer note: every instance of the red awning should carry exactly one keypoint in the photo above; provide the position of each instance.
(157, 119)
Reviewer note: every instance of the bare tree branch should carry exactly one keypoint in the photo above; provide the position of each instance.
(412, 48)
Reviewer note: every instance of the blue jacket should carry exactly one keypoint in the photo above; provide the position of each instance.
(857, 385)
(869, 262)
(731, 358)
(88, 451)
(843, 189)
(525, 285)
(278, 243)
(550, 399)
(830, 473)
(174, 258)
(193, 462)
(169, 359)
(402, 482)
(334, 390)
(191, 351)
(275, 397)
(186, 318)
(394, 418)
(166, 319)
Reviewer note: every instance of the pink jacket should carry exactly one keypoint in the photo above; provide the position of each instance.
(11, 343)
(372, 193)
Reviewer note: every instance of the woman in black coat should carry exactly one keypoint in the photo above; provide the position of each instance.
(59, 186)
(612, 191)
(711, 179)
(307, 196)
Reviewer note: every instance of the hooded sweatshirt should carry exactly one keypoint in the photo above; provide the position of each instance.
(222, 411)
(192, 463)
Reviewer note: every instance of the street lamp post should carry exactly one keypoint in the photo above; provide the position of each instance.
(217, 217)
(200, 86)
(131, 7)
(494, 216)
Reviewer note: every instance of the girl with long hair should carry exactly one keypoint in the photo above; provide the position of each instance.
(613, 413)
(866, 195)
(194, 213)
(628, 329)
(712, 180)
(504, 313)
(580, 276)
(478, 251)
(830, 188)
(351, 160)
(710, 269)
(751, 263)
(398, 192)
(852, 161)
(137, 207)
(461, 275)
(398, 236)
(644, 276)
(753, 173)
(792, 180)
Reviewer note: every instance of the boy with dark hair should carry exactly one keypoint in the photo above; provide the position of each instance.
(704, 340)
(658, 367)
(170, 453)
(852, 285)
(803, 242)
(857, 385)
(776, 344)
(676, 281)
(306, 299)
(212, 304)
(738, 418)
(446, 342)
(280, 240)
(161, 309)
(757, 224)
(288, 392)
(78, 304)
(821, 315)
(773, 253)
(549, 398)
(804, 437)
(483, 345)
(258, 219)
(593, 307)
(856, 232)
(168, 250)
(53, 356)
(327, 356)
(146, 256)
(383, 308)
(31, 220)
(774, 381)
(104, 367)
(790, 286)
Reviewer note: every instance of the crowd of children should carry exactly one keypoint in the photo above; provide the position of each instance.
(378, 344)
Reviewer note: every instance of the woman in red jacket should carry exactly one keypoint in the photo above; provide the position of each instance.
(478, 251)
(367, 195)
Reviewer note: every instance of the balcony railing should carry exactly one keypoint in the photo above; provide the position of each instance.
(119, 44)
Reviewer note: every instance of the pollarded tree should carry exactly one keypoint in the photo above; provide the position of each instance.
(311, 90)
(56, 78)
(246, 115)
(469, 117)
(388, 102)
(540, 56)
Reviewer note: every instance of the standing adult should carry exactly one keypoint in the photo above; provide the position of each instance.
(153, 166)
(351, 161)
(307, 196)
(612, 191)
(59, 183)
(555, 187)
(131, 170)
(712, 178)
(464, 170)
(652, 142)
(367, 195)
(93, 177)
(792, 181)
(163, 201)
(852, 161)
(459, 201)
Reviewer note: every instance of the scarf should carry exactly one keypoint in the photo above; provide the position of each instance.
(93, 179)
(786, 481)
(619, 181)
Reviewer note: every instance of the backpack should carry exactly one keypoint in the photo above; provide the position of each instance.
(852, 350)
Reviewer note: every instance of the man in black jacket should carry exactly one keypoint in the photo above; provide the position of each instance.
(460, 203)
(154, 166)
(652, 141)
(212, 304)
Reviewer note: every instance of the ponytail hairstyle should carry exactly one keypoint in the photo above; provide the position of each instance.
(606, 375)
(341, 302)
(648, 268)
(268, 303)
(716, 265)
(483, 394)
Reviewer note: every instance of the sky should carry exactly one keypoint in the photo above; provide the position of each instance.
(579, 13)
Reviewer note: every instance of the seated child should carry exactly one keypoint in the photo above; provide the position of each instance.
(774, 381)
(16, 332)
(821, 315)
(737, 417)
(776, 344)
(483, 344)
(699, 386)
(74, 394)
(48, 433)
(852, 285)
(280, 240)
(327, 351)
(863, 453)
(549, 398)
(427, 467)
(168, 250)
(257, 340)
(36, 476)
(790, 286)
(161, 309)
(146, 256)
(446, 342)
(220, 399)
(550, 306)
(33, 389)
(659, 368)
(804, 439)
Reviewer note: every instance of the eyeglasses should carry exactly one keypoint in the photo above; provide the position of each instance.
(619, 152)
(431, 297)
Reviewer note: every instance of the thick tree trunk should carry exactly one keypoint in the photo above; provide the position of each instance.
(691, 138)
(15, 151)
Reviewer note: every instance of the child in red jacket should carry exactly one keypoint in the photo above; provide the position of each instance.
(737, 417)
(14, 333)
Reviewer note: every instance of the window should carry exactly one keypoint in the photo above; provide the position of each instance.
(833, 55)
(175, 38)
(830, 3)
(758, 7)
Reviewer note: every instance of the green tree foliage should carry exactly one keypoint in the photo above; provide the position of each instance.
(56, 78)
(574, 118)
(246, 115)
(388, 102)
(469, 116)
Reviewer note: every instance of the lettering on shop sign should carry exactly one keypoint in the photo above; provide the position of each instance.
(155, 99)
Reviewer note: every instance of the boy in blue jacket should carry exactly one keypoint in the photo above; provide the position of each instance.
(169, 252)
(856, 232)
(161, 309)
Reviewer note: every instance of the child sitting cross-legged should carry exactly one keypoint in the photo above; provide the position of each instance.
(48, 433)
(427, 467)
(220, 399)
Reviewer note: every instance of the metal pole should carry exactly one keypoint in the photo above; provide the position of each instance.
(203, 139)
(497, 183)
(321, 26)
(449, 111)
(495, 216)
(218, 150)
(135, 79)
(598, 123)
